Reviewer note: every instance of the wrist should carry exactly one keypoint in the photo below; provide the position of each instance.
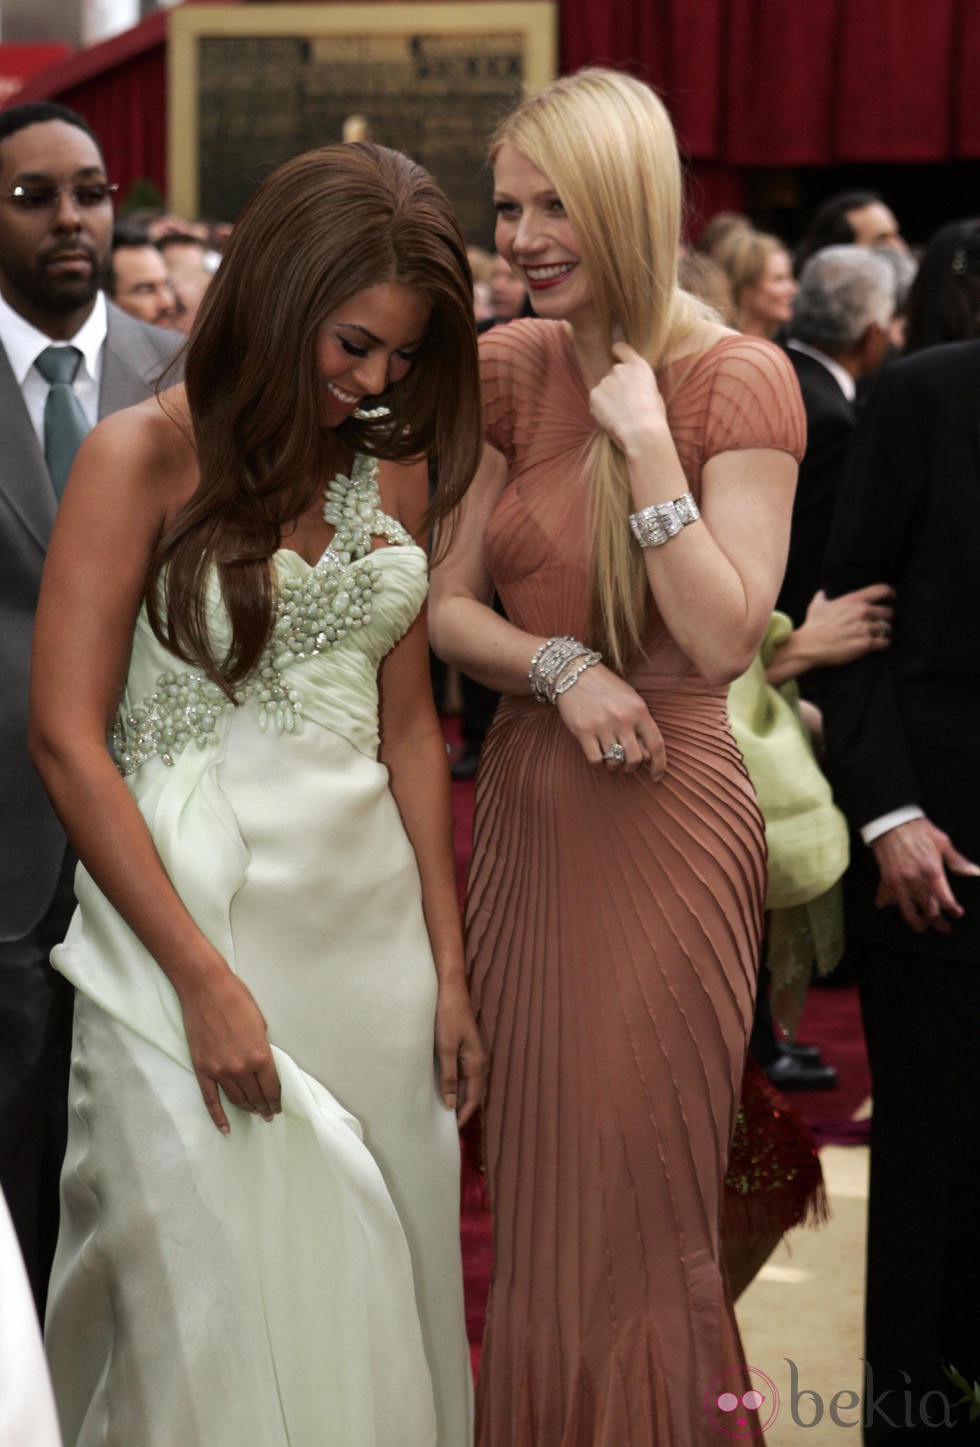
(884, 824)
(790, 659)
(647, 442)
(655, 525)
(557, 665)
(195, 972)
(446, 943)
(451, 976)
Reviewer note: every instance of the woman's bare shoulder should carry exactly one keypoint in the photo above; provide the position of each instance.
(149, 445)
(153, 433)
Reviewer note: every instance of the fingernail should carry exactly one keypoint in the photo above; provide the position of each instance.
(225, 1129)
(449, 1101)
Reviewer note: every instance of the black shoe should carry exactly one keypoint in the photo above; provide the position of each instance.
(788, 1073)
(465, 766)
(799, 1051)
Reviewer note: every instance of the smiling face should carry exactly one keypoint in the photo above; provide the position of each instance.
(768, 305)
(537, 240)
(367, 345)
(52, 258)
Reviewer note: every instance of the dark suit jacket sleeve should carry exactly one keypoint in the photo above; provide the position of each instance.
(829, 429)
(876, 520)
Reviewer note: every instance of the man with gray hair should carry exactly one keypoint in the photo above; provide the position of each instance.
(838, 335)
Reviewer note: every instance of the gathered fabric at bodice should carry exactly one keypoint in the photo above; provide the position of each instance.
(334, 622)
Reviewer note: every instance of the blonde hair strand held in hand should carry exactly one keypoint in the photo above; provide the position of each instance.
(607, 145)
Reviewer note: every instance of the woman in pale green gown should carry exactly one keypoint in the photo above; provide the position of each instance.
(273, 1041)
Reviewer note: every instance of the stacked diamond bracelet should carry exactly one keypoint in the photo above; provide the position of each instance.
(557, 665)
(654, 526)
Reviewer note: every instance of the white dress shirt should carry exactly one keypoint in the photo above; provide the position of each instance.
(23, 344)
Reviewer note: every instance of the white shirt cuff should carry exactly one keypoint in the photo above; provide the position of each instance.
(881, 825)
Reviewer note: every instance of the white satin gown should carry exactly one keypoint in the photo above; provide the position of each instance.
(296, 1282)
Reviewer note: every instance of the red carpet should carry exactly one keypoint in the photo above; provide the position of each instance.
(831, 1019)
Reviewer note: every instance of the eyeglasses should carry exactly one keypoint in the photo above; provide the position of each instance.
(85, 194)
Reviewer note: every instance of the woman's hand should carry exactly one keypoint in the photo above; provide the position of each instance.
(226, 1035)
(836, 630)
(839, 630)
(627, 402)
(462, 1059)
(602, 710)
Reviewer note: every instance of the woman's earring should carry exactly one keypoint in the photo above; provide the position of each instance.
(370, 414)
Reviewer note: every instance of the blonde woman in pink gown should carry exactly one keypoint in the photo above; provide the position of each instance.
(633, 502)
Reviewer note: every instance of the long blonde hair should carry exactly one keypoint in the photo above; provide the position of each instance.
(606, 143)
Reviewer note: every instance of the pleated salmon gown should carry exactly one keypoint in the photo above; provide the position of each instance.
(613, 929)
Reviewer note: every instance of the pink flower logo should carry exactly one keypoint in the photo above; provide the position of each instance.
(741, 1402)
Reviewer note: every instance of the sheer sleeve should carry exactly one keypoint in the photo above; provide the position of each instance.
(755, 401)
(497, 391)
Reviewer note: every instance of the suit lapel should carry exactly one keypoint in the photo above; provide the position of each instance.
(130, 367)
(24, 482)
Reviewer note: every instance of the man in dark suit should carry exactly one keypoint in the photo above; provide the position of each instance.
(838, 335)
(851, 218)
(903, 739)
(55, 232)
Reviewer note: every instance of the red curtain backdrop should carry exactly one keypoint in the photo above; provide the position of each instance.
(797, 82)
(749, 82)
(126, 106)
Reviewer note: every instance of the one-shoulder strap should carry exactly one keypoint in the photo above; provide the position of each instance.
(353, 506)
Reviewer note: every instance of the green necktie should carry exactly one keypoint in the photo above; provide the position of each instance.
(65, 423)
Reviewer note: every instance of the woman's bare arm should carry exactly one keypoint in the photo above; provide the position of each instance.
(715, 583)
(463, 627)
(601, 709)
(121, 491)
(413, 750)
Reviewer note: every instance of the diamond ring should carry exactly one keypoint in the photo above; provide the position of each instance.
(615, 754)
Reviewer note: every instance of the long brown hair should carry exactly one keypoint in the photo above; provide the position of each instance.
(320, 229)
(606, 143)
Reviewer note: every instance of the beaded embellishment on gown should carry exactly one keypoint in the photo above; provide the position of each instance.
(312, 614)
(295, 1284)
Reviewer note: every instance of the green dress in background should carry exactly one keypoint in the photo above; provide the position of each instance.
(806, 834)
